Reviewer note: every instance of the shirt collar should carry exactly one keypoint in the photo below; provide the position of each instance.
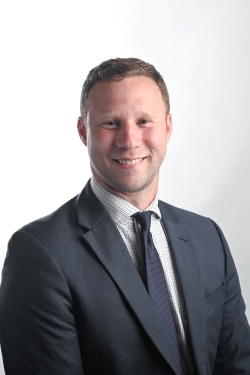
(119, 209)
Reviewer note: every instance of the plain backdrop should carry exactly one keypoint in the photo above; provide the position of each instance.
(202, 49)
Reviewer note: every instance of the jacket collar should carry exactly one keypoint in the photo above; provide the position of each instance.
(183, 250)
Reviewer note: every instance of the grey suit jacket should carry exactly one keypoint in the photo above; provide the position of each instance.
(73, 303)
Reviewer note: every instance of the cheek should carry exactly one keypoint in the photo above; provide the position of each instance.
(156, 140)
(99, 141)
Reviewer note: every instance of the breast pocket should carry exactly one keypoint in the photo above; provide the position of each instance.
(214, 298)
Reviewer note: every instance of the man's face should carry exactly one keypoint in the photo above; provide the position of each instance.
(126, 131)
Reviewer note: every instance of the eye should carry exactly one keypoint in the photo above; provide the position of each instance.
(143, 122)
(112, 123)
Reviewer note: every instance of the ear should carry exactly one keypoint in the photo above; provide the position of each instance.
(82, 131)
(169, 126)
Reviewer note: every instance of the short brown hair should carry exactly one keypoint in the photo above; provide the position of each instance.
(116, 70)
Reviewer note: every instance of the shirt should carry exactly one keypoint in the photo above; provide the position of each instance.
(122, 213)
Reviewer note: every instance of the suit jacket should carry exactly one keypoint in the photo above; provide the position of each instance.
(73, 303)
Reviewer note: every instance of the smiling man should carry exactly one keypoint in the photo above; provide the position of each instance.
(115, 281)
(126, 130)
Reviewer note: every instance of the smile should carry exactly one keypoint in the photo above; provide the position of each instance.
(129, 162)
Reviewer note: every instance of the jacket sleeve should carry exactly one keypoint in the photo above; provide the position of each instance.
(37, 327)
(233, 352)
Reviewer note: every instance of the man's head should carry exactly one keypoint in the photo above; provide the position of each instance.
(116, 70)
(126, 126)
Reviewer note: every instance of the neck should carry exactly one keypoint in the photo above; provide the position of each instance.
(141, 199)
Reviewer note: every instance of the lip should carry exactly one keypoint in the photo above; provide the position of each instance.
(129, 162)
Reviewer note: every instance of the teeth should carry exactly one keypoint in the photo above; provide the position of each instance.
(128, 162)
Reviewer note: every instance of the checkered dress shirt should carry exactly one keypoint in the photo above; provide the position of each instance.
(121, 212)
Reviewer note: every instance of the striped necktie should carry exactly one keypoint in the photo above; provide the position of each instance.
(157, 288)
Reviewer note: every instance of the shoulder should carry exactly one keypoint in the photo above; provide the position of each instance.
(181, 216)
(200, 228)
(52, 226)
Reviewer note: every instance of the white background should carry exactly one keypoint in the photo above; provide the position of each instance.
(201, 47)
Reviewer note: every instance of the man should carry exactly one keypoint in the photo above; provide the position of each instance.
(95, 289)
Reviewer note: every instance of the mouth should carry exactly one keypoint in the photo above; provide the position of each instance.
(129, 161)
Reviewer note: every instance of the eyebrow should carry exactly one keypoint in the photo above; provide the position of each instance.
(110, 115)
(115, 114)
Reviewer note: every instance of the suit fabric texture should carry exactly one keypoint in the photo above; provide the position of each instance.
(73, 303)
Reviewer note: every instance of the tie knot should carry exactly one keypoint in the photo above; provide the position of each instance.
(144, 218)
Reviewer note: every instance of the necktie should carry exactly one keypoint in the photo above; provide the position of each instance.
(157, 288)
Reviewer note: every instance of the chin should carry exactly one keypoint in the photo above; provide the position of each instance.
(132, 187)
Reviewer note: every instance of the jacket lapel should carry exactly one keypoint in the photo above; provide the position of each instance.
(112, 252)
(187, 267)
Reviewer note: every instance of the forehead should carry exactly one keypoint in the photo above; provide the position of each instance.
(130, 91)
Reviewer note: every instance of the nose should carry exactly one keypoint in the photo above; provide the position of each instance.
(128, 136)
